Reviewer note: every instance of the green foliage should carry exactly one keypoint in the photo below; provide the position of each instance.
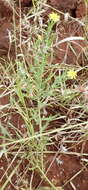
(42, 93)
(86, 1)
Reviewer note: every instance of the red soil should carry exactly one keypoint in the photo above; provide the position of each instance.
(64, 167)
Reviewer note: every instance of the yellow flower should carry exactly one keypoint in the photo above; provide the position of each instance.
(40, 37)
(72, 74)
(54, 17)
